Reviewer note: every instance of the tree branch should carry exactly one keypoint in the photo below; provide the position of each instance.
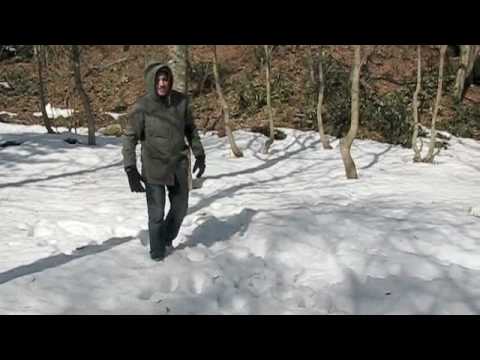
(106, 66)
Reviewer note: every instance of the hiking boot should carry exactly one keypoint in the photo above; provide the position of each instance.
(157, 257)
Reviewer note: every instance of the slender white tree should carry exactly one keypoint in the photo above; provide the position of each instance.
(40, 55)
(432, 150)
(75, 55)
(223, 103)
(347, 141)
(468, 56)
(417, 150)
(268, 68)
(321, 91)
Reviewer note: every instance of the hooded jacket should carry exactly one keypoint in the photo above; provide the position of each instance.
(161, 125)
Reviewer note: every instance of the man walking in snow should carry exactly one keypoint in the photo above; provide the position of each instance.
(160, 121)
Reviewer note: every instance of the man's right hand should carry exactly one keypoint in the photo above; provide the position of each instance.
(134, 180)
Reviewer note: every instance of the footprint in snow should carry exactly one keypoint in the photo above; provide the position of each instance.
(195, 254)
(167, 284)
(475, 211)
(145, 294)
(200, 218)
(197, 282)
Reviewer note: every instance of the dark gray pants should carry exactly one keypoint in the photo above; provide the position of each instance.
(163, 230)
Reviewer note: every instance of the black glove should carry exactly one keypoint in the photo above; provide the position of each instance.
(199, 165)
(134, 179)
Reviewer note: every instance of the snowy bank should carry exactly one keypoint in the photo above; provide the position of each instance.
(283, 233)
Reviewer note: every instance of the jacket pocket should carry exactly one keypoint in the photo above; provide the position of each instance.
(157, 148)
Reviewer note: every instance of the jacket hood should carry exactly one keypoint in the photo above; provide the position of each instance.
(150, 75)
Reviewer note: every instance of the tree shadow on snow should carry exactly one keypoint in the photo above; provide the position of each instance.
(36, 148)
(270, 162)
(61, 259)
(422, 282)
(39, 145)
(376, 157)
(59, 176)
(230, 192)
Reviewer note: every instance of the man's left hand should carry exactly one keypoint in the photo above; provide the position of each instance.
(200, 166)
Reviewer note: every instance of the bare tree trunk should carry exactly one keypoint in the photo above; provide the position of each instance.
(433, 133)
(226, 113)
(179, 59)
(39, 51)
(313, 64)
(346, 142)
(461, 72)
(468, 55)
(83, 95)
(180, 64)
(321, 91)
(268, 65)
(474, 54)
(418, 151)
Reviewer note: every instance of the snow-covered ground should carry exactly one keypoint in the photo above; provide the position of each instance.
(279, 234)
(116, 116)
(5, 85)
(8, 113)
(53, 112)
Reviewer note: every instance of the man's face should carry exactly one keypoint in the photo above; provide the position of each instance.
(163, 84)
